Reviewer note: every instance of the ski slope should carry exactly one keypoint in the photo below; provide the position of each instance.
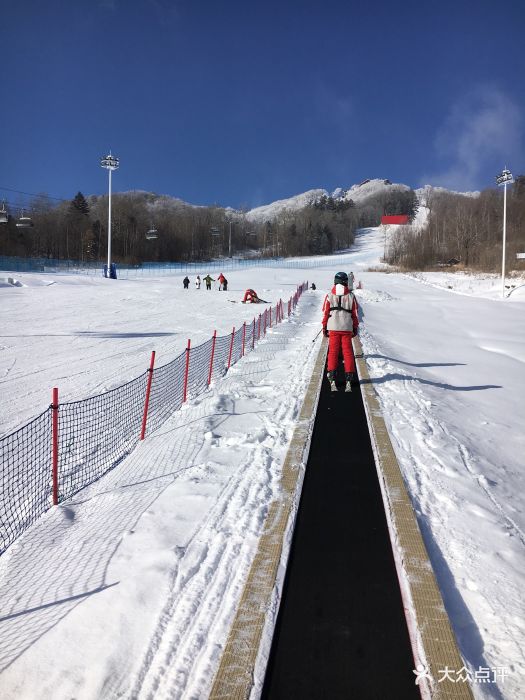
(128, 590)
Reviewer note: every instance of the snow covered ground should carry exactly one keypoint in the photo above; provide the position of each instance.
(128, 589)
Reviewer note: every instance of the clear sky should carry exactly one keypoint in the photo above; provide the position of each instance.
(243, 103)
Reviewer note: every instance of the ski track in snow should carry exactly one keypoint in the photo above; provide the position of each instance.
(196, 594)
(432, 459)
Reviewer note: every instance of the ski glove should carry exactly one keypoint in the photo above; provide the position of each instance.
(325, 332)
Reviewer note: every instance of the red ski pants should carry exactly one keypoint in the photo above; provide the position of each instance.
(338, 340)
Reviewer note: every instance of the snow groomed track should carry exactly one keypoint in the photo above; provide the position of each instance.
(342, 625)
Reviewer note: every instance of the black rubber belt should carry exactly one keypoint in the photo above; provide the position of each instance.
(341, 630)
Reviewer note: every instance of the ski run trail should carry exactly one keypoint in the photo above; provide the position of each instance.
(128, 590)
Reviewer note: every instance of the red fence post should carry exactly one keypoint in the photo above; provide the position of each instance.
(212, 354)
(265, 317)
(54, 440)
(186, 372)
(148, 390)
(259, 328)
(231, 348)
(253, 334)
(270, 316)
(243, 337)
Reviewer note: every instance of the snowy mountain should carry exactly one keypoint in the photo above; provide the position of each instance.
(357, 193)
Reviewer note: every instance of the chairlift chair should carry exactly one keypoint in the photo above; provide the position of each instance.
(152, 234)
(3, 214)
(24, 221)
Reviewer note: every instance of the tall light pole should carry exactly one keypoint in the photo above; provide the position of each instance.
(503, 179)
(110, 163)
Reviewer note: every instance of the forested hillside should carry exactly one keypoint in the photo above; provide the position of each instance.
(468, 229)
(77, 229)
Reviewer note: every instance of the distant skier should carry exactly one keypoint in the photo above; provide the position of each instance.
(208, 280)
(225, 285)
(351, 281)
(221, 278)
(186, 282)
(198, 282)
(340, 324)
(313, 286)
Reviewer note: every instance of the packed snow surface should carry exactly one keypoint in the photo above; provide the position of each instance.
(128, 589)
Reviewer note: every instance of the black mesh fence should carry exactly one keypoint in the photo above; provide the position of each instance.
(167, 391)
(220, 358)
(237, 346)
(250, 336)
(199, 368)
(96, 434)
(25, 477)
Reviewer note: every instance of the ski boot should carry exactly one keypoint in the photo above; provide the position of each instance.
(331, 378)
(349, 377)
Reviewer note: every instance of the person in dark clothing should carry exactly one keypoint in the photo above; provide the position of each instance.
(225, 284)
(186, 282)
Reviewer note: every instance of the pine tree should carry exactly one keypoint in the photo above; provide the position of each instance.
(79, 204)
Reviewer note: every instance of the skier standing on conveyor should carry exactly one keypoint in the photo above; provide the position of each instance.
(340, 324)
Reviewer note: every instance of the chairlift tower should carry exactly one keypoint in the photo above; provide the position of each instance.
(503, 179)
(110, 163)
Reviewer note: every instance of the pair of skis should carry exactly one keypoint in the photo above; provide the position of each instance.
(261, 301)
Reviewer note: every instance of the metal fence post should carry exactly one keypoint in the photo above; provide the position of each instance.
(212, 354)
(231, 348)
(148, 390)
(186, 371)
(54, 439)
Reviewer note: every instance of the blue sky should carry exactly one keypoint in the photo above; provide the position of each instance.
(243, 103)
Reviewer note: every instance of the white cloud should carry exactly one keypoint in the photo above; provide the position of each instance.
(483, 131)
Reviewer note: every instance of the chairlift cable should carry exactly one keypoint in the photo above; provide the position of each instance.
(33, 194)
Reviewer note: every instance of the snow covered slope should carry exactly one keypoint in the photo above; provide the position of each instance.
(136, 579)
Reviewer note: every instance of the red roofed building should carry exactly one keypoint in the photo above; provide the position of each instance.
(397, 219)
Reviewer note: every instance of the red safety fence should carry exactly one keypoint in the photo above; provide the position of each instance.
(73, 444)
